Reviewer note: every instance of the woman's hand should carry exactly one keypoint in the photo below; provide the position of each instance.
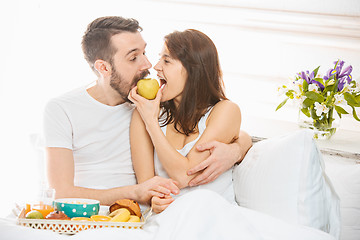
(160, 204)
(156, 187)
(149, 109)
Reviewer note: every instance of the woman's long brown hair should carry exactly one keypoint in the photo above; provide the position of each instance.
(204, 86)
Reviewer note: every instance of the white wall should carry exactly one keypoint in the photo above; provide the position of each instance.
(261, 44)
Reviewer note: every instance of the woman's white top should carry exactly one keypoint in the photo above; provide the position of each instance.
(222, 185)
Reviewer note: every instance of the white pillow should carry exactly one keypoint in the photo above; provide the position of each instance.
(345, 175)
(284, 177)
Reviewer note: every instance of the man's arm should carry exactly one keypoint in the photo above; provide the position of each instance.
(60, 171)
(223, 157)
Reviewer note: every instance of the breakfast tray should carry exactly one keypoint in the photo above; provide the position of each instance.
(73, 227)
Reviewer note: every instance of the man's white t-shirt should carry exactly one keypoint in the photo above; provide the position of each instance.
(97, 134)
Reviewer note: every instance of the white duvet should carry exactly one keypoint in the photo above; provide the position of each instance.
(201, 214)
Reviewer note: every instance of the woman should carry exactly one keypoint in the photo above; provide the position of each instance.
(193, 110)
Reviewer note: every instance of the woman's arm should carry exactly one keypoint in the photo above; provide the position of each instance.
(142, 149)
(142, 155)
(223, 125)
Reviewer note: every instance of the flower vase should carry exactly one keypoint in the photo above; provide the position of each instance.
(323, 126)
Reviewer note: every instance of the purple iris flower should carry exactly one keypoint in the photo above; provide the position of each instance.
(309, 78)
(343, 81)
(329, 73)
(304, 76)
(343, 76)
(339, 65)
(322, 87)
(346, 72)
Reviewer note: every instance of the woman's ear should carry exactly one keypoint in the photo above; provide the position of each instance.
(103, 68)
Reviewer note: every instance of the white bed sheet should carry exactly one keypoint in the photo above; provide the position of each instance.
(200, 214)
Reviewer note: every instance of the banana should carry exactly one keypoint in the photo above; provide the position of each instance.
(134, 218)
(122, 215)
(114, 213)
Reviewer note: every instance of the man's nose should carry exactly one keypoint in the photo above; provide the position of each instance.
(146, 63)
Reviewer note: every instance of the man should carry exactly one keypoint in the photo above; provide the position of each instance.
(87, 130)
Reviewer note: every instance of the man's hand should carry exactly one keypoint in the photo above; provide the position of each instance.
(222, 157)
(156, 186)
(160, 204)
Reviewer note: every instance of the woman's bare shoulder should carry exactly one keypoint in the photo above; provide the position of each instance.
(226, 107)
(225, 112)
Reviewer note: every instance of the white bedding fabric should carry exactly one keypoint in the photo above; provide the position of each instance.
(284, 177)
(345, 175)
(201, 214)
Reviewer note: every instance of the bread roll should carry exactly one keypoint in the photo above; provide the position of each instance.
(57, 215)
(129, 204)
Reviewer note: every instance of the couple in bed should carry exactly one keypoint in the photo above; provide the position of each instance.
(87, 130)
(189, 127)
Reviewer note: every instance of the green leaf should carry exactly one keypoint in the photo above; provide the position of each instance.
(339, 114)
(314, 96)
(313, 114)
(281, 104)
(329, 88)
(340, 110)
(305, 86)
(351, 100)
(308, 102)
(357, 98)
(316, 71)
(354, 114)
(335, 86)
(306, 111)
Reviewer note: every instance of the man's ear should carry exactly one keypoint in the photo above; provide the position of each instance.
(103, 67)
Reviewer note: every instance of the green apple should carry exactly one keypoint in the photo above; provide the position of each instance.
(148, 88)
(34, 215)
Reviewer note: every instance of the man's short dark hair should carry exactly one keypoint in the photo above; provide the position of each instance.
(96, 42)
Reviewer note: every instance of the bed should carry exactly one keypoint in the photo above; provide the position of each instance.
(281, 188)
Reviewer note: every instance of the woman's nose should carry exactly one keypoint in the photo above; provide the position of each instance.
(157, 66)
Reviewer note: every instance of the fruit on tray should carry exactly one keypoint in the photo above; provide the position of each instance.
(57, 215)
(134, 218)
(123, 210)
(100, 218)
(33, 214)
(43, 208)
(129, 204)
(40, 207)
(120, 215)
(147, 88)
